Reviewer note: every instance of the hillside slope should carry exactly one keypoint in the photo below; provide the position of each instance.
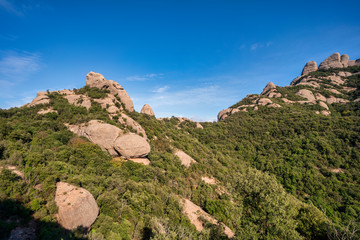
(270, 169)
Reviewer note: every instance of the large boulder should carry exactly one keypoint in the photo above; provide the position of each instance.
(112, 139)
(132, 146)
(146, 109)
(306, 94)
(344, 60)
(331, 62)
(102, 134)
(309, 67)
(76, 206)
(97, 80)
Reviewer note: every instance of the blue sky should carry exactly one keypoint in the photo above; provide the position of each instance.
(183, 58)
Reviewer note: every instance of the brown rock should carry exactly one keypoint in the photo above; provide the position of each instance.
(146, 109)
(223, 114)
(143, 161)
(320, 97)
(309, 67)
(331, 62)
(132, 146)
(102, 134)
(344, 74)
(351, 63)
(264, 101)
(322, 104)
(306, 94)
(185, 159)
(97, 80)
(332, 99)
(344, 60)
(128, 121)
(268, 87)
(196, 213)
(45, 111)
(41, 98)
(79, 100)
(76, 206)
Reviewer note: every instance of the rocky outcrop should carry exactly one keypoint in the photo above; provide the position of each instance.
(45, 111)
(78, 100)
(146, 109)
(41, 98)
(76, 206)
(309, 67)
(102, 134)
(268, 87)
(306, 94)
(185, 159)
(223, 114)
(344, 60)
(97, 80)
(129, 122)
(196, 214)
(131, 146)
(331, 62)
(112, 139)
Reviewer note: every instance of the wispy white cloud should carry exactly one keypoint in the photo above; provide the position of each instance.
(161, 89)
(17, 66)
(145, 77)
(255, 46)
(11, 8)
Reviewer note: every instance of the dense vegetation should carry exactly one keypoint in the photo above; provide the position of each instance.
(283, 173)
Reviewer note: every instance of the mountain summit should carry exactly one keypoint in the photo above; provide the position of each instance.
(319, 86)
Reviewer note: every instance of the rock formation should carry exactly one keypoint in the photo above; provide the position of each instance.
(76, 206)
(41, 98)
(97, 80)
(185, 159)
(131, 146)
(196, 213)
(112, 139)
(333, 83)
(344, 60)
(331, 62)
(268, 87)
(146, 109)
(309, 67)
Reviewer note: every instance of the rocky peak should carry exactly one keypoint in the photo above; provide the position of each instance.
(331, 62)
(268, 87)
(97, 80)
(146, 109)
(309, 67)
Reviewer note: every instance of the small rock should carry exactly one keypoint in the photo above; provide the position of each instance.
(146, 109)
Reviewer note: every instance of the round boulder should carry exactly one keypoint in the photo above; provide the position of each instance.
(76, 206)
(132, 146)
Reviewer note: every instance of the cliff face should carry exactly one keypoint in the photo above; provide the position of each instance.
(321, 86)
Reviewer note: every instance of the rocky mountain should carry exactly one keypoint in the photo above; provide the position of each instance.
(316, 86)
(283, 164)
